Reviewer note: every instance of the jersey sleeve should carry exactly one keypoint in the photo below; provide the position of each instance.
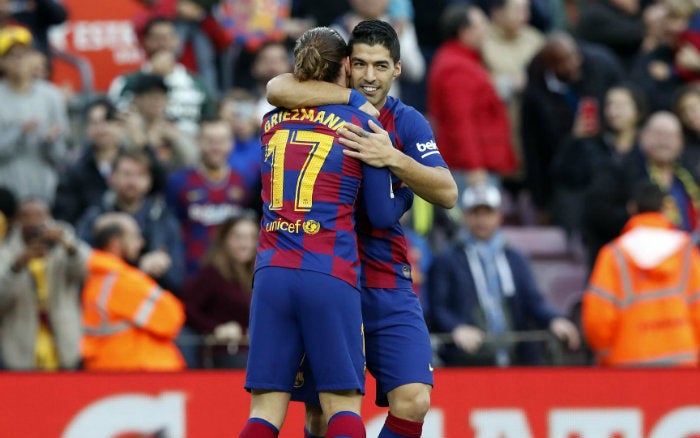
(384, 206)
(418, 139)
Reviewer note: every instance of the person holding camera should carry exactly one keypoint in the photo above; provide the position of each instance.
(42, 265)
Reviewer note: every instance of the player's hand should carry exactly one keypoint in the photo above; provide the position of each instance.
(369, 109)
(565, 331)
(468, 338)
(373, 148)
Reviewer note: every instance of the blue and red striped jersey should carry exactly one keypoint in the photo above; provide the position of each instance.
(201, 204)
(384, 252)
(309, 192)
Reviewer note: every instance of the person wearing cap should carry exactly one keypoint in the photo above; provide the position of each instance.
(479, 285)
(33, 122)
(149, 126)
(189, 101)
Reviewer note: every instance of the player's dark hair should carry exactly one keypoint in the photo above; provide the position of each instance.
(377, 32)
(648, 197)
(455, 18)
(102, 235)
(318, 54)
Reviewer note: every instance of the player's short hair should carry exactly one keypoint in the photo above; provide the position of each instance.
(318, 54)
(373, 32)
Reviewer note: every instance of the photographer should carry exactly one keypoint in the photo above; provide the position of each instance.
(41, 268)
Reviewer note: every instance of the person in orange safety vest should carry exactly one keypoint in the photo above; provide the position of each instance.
(642, 305)
(130, 322)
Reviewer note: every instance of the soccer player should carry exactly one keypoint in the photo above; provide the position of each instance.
(306, 299)
(398, 347)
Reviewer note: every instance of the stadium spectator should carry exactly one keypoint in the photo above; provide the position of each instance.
(565, 78)
(471, 121)
(85, 181)
(33, 122)
(129, 321)
(589, 151)
(204, 196)
(661, 143)
(480, 286)
(163, 255)
(271, 59)
(238, 108)
(655, 69)
(200, 32)
(687, 108)
(616, 24)
(39, 16)
(508, 48)
(217, 298)
(188, 99)
(642, 305)
(147, 126)
(42, 266)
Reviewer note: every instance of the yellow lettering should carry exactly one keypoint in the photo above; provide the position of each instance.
(295, 114)
(285, 116)
(331, 120)
(338, 125)
(320, 116)
(267, 125)
(308, 114)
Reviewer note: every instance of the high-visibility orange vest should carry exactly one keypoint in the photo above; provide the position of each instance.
(642, 306)
(129, 321)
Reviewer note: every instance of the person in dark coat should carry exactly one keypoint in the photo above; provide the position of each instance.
(480, 286)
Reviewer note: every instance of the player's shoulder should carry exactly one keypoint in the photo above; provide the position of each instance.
(349, 114)
(403, 113)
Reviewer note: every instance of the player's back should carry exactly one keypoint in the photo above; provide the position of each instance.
(309, 189)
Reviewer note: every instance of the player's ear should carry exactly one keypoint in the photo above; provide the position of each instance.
(397, 69)
(346, 66)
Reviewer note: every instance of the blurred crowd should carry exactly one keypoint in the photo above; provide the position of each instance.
(128, 227)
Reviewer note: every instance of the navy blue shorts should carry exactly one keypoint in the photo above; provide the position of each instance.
(299, 314)
(397, 344)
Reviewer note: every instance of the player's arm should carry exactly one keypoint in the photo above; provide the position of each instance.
(384, 206)
(286, 91)
(434, 184)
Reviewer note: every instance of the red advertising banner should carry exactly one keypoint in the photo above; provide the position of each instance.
(101, 33)
(478, 403)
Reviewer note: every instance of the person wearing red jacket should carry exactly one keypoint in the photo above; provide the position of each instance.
(130, 322)
(471, 123)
